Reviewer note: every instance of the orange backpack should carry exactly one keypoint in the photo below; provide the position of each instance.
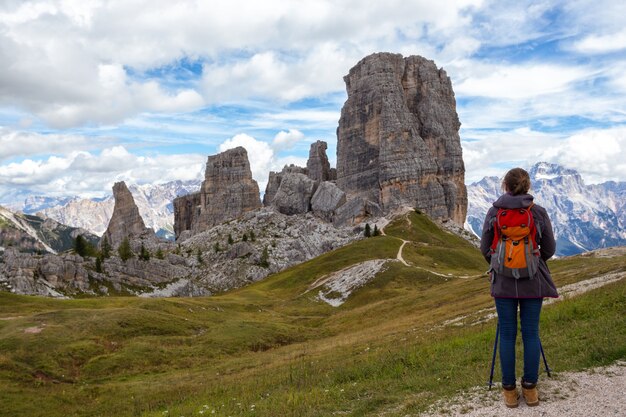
(514, 250)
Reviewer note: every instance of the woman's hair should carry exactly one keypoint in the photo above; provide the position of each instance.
(516, 181)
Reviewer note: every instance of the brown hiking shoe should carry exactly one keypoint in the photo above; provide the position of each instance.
(530, 393)
(511, 396)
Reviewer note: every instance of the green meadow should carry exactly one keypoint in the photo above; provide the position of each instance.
(274, 349)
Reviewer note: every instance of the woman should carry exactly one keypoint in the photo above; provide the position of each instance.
(526, 292)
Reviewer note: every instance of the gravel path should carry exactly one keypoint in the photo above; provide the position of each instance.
(597, 392)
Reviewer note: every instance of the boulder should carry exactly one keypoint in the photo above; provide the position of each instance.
(327, 198)
(355, 211)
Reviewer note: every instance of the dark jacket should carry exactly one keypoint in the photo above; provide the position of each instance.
(539, 286)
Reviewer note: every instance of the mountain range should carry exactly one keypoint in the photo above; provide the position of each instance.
(584, 217)
(153, 200)
(35, 234)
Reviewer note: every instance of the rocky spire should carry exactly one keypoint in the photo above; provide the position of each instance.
(126, 220)
(227, 192)
(398, 137)
(317, 165)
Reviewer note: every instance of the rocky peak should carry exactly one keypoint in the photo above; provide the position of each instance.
(228, 191)
(126, 222)
(317, 165)
(398, 137)
(547, 170)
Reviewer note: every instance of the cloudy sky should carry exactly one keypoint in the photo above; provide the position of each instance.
(95, 91)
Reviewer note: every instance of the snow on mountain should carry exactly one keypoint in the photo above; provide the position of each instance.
(154, 203)
(584, 217)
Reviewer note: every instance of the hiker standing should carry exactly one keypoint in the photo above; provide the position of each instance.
(517, 240)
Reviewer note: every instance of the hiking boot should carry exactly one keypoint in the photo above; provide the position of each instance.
(530, 393)
(511, 396)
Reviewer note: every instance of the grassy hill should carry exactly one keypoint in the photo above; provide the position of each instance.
(274, 349)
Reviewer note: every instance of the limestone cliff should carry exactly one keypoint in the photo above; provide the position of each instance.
(228, 191)
(126, 222)
(398, 141)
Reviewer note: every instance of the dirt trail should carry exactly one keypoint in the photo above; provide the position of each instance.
(399, 255)
(595, 392)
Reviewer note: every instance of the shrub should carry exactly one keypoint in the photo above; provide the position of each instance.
(265, 256)
(144, 254)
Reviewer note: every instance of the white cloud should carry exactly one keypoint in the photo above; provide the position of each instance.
(22, 144)
(287, 140)
(85, 174)
(521, 81)
(599, 44)
(597, 154)
(87, 47)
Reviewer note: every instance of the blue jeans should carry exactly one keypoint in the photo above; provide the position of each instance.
(530, 309)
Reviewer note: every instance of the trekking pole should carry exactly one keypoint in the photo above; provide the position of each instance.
(493, 358)
(545, 362)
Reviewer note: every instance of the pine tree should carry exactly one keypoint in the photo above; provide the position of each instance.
(244, 237)
(124, 250)
(159, 254)
(99, 263)
(376, 231)
(216, 247)
(230, 239)
(80, 246)
(106, 248)
(252, 236)
(199, 256)
(368, 231)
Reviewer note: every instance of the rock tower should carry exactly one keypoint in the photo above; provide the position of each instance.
(227, 192)
(398, 137)
(126, 222)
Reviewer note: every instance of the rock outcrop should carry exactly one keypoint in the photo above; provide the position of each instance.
(228, 191)
(294, 194)
(398, 141)
(227, 256)
(291, 190)
(126, 222)
(275, 179)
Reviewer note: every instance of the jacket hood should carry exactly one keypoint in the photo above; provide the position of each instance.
(511, 201)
